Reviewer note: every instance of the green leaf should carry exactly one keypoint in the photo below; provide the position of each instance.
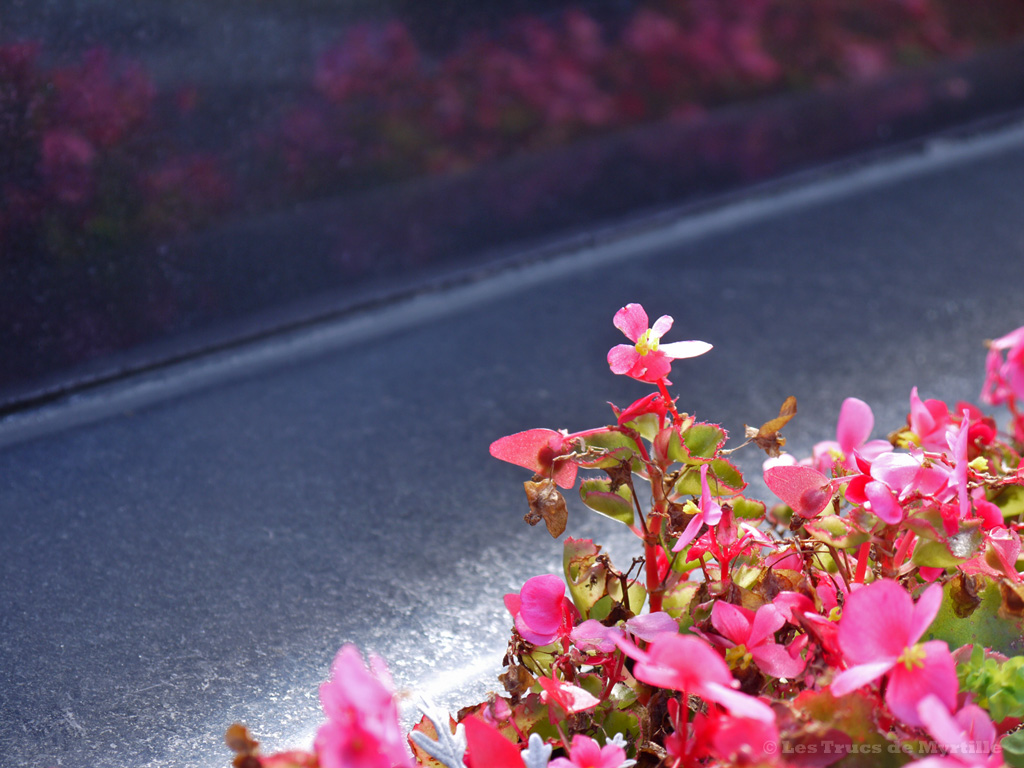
(585, 576)
(646, 425)
(599, 496)
(990, 624)
(724, 479)
(1013, 749)
(836, 531)
(616, 446)
(952, 550)
(700, 443)
(636, 590)
(748, 509)
(1011, 501)
(676, 601)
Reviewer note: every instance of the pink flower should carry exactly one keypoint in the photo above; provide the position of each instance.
(648, 359)
(968, 736)
(587, 753)
(569, 698)
(685, 663)
(1005, 379)
(362, 728)
(853, 429)
(755, 632)
(67, 166)
(736, 740)
(710, 512)
(929, 420)
(594, 636)
(894, 478)
(878, 635)
(541, 612)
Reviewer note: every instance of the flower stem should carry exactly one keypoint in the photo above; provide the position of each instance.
(862, 562)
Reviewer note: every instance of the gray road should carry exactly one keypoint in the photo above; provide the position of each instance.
(190, 549)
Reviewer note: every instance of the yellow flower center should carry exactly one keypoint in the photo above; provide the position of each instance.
(646, 344)
(738, 657)
(912, 657)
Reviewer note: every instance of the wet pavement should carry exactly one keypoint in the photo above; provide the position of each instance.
(189, 548)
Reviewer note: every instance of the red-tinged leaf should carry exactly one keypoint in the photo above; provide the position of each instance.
(701, 442)
(488, 748)
(537, 450)
(804, 489)
(599, 496)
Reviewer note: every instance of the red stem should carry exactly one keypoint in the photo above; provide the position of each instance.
(862, 562)
(902, 550)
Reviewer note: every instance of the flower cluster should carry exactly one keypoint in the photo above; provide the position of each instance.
(875, 611)
(79, 156)
(380, 101)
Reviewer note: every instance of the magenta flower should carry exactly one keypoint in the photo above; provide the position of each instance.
(540, 610)
(755, 633)
(710, 512)
(593, 636)
(647, 359)
(362, 728)
(568, 697)
(929, 420)
(736, 740)
(685, 663)
(969, 736)
(894, 480)
(853, 429)
(587, 753)
(878, 635)
(1004, 379)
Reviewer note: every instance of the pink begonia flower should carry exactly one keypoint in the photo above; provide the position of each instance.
(541, 612)
(957, 441)
(856, 420)
(929, 420)
(687, 664)
(569, 698)
(755, 631)
(592, 635)
(539, 450)
(587, 753)
(1005, 379)
(991, 515)
(647, 359)
(893, 478)
(362, 729)
(66, 166)
(736, 740)
(878, 634)
(710, 512)
(969, 736)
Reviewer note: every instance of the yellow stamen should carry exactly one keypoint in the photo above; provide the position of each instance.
(912, 657)
(646, 344)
